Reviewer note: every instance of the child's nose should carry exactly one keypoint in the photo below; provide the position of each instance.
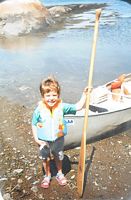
(51, 97)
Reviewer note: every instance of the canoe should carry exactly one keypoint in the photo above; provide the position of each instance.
(109, 114)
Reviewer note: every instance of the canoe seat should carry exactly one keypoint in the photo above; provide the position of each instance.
(123, 92)
(126, 87)
(99, 94)
(97, 109)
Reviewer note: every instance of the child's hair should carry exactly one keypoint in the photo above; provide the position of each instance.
(49, 84)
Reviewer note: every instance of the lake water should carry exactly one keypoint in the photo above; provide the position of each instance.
(65, 53)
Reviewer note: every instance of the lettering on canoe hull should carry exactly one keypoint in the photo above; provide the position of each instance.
(69, 122)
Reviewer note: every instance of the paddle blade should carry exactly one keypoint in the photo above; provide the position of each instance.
(81, 166)
(82, 158)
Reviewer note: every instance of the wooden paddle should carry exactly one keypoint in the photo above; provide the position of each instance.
(81, 165)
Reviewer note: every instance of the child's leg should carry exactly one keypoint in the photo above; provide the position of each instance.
(57, 150)
(58, 165)
(46, 165)
(45, 156)
(46, 181)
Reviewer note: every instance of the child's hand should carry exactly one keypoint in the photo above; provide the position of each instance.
(87, 89)
(80, 104)
(44, 144)
(39, 125)
(41, 143)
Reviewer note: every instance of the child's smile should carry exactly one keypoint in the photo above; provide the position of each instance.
(51, 98)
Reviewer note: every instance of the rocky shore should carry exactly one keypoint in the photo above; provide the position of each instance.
(108, 163)
(20, 17)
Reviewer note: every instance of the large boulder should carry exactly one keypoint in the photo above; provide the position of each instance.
(57, 11)
(21, 17)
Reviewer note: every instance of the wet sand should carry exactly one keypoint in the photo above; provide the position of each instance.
(108, 163)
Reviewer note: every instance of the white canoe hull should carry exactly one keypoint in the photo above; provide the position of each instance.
(98, 125)
(110, 117)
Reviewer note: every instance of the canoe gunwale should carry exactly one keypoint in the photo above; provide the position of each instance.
(97, 114)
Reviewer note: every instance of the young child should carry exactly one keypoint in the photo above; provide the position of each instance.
(49, 127)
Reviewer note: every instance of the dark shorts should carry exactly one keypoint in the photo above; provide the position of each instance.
(54, 148)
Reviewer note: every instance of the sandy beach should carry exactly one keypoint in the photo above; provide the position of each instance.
(108, 163)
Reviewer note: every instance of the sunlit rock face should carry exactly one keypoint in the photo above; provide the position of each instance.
(21, 17)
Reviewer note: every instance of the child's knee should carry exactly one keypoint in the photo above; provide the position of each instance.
(44, 153)
(59, 155)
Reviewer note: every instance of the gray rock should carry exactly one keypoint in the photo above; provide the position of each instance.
(21, 17)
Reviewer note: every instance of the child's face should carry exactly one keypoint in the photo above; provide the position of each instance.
(51, 98)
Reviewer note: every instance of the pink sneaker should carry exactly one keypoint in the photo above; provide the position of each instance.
(61, 179)
(46, 182)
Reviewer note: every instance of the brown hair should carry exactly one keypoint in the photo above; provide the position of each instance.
(49, 84)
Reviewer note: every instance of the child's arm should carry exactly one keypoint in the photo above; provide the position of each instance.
(34, 131)
(80, 104)
(35, 123)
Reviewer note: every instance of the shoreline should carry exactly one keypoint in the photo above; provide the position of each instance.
(57, 16)
(60, 13)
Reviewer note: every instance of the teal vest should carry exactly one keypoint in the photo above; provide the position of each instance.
(51, 125)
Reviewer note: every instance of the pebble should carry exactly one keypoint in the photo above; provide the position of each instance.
(96, 184)
(72, 177)
(17, 171)
(35, 182)
(5, 121)
(104, 188)
(112, 143)
(40, 196)
(3, 179)
(13, 178)
(120, 142)
(96, 174)
(20, 181)
(16, 188)
(77, 148)
(8, 139)
(34, 189)
(28, 178)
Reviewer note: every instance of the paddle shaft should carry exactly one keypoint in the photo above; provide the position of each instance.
(81, 165)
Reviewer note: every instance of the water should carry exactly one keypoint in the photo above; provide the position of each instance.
(66, 54)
